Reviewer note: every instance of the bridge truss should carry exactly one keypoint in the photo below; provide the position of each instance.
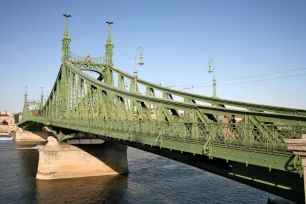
(121, 106)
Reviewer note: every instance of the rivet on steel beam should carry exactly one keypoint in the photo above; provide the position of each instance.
(270, 168)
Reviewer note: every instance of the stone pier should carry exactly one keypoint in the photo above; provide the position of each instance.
(60, 161)
(31, 136)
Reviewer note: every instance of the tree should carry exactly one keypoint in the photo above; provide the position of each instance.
(4, 122)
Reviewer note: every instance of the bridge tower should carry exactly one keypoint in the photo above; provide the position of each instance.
(25, 106)
(41, 99)
(66, 40)
(65, 56)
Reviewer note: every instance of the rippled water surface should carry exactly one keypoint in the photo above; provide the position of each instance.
(152, 179)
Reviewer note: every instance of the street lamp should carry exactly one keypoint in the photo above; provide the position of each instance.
(210, 70)
(139, 52)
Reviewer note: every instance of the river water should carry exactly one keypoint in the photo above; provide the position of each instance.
(152, 179)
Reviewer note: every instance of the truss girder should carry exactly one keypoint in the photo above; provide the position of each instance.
(79, 102)
(149, 102)
(78, 96)
(214, 101)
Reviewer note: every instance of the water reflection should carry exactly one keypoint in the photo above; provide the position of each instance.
(106, 189)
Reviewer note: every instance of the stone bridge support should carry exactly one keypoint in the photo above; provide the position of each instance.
(31, 135)
(59, 161)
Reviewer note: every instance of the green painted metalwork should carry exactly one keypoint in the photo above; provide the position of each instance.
(66, 40)
(109, 46)
(86, 60)
(163, 117)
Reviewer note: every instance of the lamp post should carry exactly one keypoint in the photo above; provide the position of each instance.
(210, 70)
(139, 52)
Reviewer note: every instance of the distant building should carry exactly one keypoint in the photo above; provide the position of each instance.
(8, 117)
(7, 123)
(17, 117)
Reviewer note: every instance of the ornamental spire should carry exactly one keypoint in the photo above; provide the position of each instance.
(25, 106)
(26, 94)
(109, 46)
(66, 40)
(66, 33)
(109, 37)
(42, 98)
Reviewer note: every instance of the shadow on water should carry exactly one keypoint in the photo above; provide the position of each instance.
(28, 158)
(106, 189)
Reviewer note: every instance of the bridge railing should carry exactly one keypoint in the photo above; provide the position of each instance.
(235, 135)
(76, 58)
(247, 136)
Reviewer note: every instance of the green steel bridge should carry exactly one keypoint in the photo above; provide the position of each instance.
(182, 126)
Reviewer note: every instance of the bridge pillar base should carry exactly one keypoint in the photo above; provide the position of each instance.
(31, 136)
(298, 146)
(60, 161)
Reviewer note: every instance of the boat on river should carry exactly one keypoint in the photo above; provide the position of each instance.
(6, 138)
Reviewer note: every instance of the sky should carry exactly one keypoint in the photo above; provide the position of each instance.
(244, 37)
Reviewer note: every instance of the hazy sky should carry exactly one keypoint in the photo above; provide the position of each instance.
(245, 38)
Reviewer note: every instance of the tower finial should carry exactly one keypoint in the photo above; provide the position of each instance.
(109, 45)
(66, 34)
(109, 37)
